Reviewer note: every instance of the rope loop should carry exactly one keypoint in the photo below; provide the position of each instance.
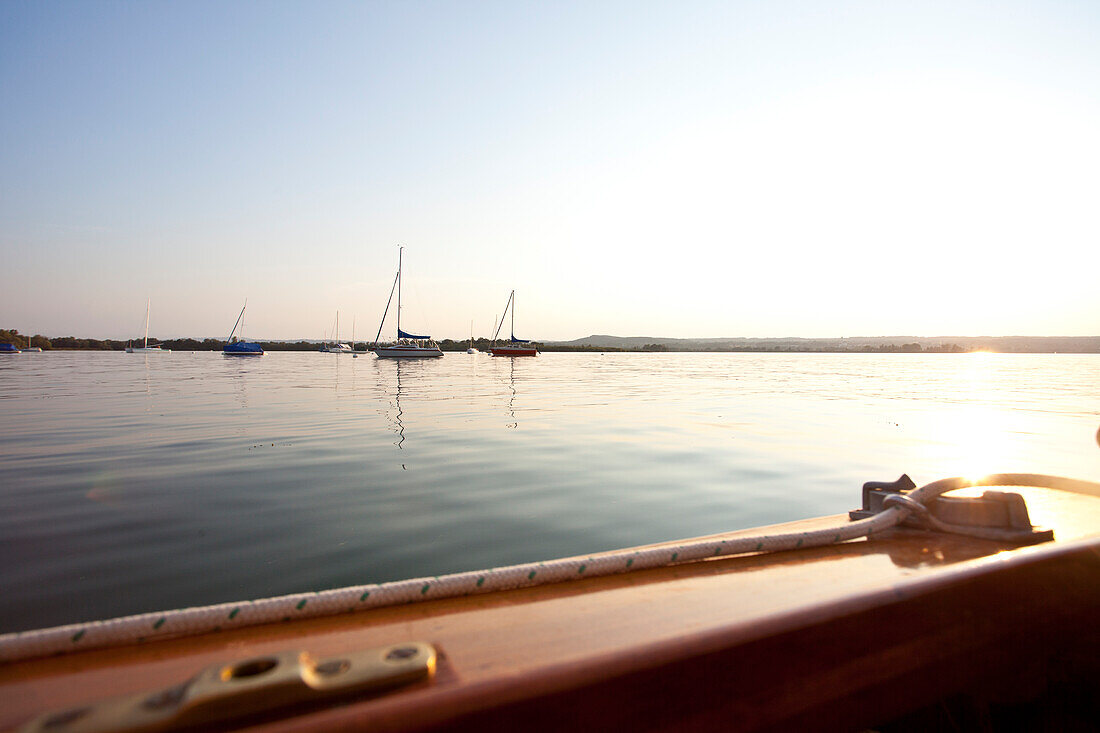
(911, 508)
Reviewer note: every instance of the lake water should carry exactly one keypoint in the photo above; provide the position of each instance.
(132, 483)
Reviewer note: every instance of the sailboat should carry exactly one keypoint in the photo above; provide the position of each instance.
(472, 350)
(407, 345)
(514, 347)
(238, 346)
(336, 347)
(145, 348)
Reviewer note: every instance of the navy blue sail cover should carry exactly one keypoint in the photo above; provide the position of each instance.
(402, 335)
(243, 347)
(520, 341)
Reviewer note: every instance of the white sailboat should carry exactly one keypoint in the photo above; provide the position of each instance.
(145, 348)
(336, 347)
(407, 345)
(472, 350)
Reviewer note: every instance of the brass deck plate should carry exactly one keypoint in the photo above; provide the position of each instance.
(225, 692)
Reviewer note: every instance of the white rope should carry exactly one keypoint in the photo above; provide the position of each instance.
(205, 619)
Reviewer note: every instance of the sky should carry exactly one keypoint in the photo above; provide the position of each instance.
(677, 169)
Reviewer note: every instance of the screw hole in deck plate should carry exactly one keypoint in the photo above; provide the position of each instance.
(401, 652)
(251, 668)
(332, 667)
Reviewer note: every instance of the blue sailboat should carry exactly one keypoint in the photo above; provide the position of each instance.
(238, 346)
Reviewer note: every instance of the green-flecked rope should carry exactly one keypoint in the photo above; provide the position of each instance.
(191, 621)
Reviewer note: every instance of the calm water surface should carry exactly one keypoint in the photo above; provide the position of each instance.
(132, 483)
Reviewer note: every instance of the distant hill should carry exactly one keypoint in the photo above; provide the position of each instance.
(1007, 344)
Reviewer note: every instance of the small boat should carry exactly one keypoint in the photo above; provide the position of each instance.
(238, 346)
(407, 345)
(472, 350)
(513, 347)
(336, 347)
(32, 348)
(8, 349)
(145, 348)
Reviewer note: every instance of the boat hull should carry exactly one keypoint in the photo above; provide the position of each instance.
(142, 350)
(243, 348)
(513, 351)
(406, 352)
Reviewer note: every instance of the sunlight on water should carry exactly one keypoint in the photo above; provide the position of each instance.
(979, 428)
(136, 483)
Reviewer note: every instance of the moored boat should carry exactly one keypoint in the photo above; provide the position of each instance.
(407, 348)
(145, 348)
(407, 345)
(7, 348)
(336, 347)
(470, 349)
(513, 350)
(515, 346)
(235, 346)
(242, 348)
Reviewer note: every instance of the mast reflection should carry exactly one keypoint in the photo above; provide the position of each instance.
(394, 413)
(512, 399)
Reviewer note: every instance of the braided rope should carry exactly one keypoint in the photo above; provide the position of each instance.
(223, 616)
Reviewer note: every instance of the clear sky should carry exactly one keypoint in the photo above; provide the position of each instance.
(635, 168)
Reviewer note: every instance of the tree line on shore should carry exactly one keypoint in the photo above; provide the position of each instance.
(72, 343)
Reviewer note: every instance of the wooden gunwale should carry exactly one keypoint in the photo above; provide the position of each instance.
(772, 640)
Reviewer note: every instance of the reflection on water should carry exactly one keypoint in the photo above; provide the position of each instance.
(512, 389)
(399, 426)
(141, 484)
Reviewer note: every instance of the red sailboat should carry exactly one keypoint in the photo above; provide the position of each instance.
(515, 347)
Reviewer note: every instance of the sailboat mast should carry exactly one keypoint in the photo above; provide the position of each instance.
(238, 323)
(145, 345)
(387, 311)
(512, 298)
(399, 251)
